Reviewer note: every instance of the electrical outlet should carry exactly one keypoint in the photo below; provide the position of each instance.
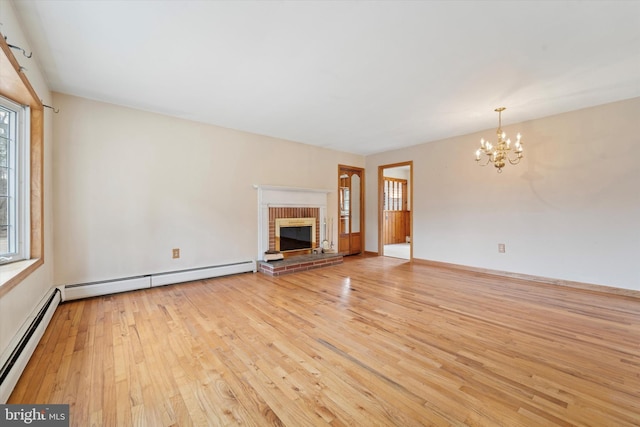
(176, 253)
(501, 248)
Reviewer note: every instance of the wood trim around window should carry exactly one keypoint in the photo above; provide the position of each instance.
(15, 86)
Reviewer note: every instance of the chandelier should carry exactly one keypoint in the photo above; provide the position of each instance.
(502, 151)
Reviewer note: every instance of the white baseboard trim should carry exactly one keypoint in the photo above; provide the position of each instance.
(202, 273)
(93, 289)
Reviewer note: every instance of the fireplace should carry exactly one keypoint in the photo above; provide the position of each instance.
(290, 203)
(295, 234)
(293, 230)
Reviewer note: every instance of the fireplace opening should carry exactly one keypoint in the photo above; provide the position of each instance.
(294, 238)
(295, 234)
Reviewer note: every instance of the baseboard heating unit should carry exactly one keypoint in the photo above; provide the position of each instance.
(87, 290)
(18, 354)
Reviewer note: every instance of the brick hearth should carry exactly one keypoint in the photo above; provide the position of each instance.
(298, 263)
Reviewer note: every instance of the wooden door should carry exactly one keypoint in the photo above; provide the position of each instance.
(350, 210)
(395, 211)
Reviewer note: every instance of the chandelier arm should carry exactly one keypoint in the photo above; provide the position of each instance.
(514, 162)
(485, 163)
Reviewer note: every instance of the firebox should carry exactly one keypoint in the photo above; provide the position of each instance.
(294, 234)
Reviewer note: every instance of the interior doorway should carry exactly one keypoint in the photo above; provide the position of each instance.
(395, 218)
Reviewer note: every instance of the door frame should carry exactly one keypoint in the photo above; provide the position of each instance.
(381, 169)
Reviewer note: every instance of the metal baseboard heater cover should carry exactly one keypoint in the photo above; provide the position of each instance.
(28, 338)
(87, 290)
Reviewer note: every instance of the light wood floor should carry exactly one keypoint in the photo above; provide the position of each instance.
(375, 341)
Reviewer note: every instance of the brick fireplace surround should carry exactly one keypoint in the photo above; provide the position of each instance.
(294, 212)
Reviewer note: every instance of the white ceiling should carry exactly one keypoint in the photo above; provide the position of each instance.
(357, 76)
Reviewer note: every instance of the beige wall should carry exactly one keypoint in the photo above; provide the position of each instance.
(131, 185)
(570, 210)
(17, 305)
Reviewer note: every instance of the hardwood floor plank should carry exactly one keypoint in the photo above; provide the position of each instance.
(374, 341)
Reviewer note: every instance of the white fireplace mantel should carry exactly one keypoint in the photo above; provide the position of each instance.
(270, 196)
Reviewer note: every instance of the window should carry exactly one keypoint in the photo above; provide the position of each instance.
(395, 194)
(14, 182)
